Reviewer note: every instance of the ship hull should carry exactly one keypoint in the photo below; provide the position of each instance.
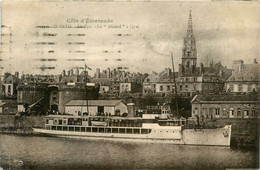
(173, 135)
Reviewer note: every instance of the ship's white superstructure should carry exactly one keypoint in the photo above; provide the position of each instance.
(135, 130)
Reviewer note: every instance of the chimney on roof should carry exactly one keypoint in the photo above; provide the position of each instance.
(17, 74)
(168, 71)
(72, 72)
(201, 68)
(237, 65)
(98, 73)
(68, 73)
(108, 72)
(255, 62)
(63, 74)
(77, 72)
(123, 75)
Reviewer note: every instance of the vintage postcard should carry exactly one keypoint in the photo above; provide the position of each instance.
(129, 85)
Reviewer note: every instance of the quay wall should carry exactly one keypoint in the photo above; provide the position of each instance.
(245, 132)
(20, 124)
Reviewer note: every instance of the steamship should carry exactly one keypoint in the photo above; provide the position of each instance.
(174, 131)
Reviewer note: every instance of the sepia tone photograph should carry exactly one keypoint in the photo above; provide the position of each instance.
(129, 85)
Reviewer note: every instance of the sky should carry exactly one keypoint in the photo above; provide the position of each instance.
(139, 36)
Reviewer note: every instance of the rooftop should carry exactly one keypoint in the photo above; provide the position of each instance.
(227, 97)
(249, 72)
(93, 102)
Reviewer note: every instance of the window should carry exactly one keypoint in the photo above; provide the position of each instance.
(186, 87)
(187, 79)
(161, 88)
(231, 112)
(231, 88)
(54, 98)
(168, 88)
(195, 79)
(224, 112)
(238, 112)
(246, 113)
(253, 112)
(79, 113)
(204, 112)
(217, 111)
(9, 89)
(249, 88)
(240, 87)
(196, 111)
(180, 87)
(194, 87)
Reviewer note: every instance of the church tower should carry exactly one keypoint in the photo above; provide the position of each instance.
(189, 51)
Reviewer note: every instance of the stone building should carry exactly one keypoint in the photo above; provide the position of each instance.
(10, 84)
(161, 83)
(28, 95)
(245, 78)
(193, 79)
(226, 105)
(75, 87)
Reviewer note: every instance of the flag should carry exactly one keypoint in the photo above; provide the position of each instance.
(86, 67)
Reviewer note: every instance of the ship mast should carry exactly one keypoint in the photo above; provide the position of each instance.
(85, 82)
(175, 88)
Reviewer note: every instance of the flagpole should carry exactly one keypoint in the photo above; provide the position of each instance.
(86, 87)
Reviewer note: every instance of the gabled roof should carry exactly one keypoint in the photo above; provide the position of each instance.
(93, 103)
(11, 79)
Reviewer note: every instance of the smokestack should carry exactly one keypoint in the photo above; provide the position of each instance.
(255, 62)
(63, 74)
(108, 72)
(71, 72)
(201, 68)
(17, 74)
(131, 109)
(77, 72)
(168, 71)
(123, 75)
(97, 73)
(68, 73)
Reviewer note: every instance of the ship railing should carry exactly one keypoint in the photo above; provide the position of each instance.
(125, 130)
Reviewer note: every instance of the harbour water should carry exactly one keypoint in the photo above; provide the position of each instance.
(38, 152)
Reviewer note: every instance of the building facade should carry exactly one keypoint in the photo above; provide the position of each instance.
(245, 78)
(193, 79)
(162, 83)
(226, 106)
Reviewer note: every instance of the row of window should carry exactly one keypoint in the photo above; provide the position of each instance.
(168, 88)
(186, 87)
(100, 129)
(225, 112)
(240, 88)
(191, 79)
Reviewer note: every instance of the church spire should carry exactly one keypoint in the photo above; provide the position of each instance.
(189, 29)
(189, 51)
